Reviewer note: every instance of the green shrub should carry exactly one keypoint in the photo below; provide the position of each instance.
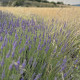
(60, 3)
(19, 2)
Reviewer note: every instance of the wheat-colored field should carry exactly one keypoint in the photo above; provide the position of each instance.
(68, 14)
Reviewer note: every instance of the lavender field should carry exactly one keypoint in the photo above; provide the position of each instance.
(34, 49)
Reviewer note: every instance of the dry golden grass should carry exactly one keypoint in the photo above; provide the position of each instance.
(71, 13)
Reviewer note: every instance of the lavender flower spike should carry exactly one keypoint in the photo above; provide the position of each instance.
(38, 76)
(10, 67)
(30, 61)
(3, 74)
(7, 56)
(2, 63)
(34, 63)
(24, 64)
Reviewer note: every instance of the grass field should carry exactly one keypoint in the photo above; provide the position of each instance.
(39, 43)
(48, 13)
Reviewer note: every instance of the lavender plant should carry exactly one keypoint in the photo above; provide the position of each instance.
(32, 49)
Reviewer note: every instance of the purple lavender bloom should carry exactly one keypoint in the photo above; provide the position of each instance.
(15, 30)
(30, 61)
(54, 51)
(60, 44)
(51, 29)
(1, 38)
(34, 38)
(26, 42)
(65, 45)
(21, 35)
(40, 40)
(16, 36)
(54, 36)
(21, 71)
(39, 47)
(64, 25)
(34, 63)
(63, 33)
(28, 29)
(40, 35)
(33, 75)
(68, 34)
(13, 54)
(26, 36)
(23, 24)
(7, 56)
(21, 79)
(55, 78)
(2, 62)
(38, 76)
(44, 43)
(24, 48)
(50, 40)
(32, 22)
(18, 23)
(62, 49)
(20, 42)
(18, 62)
(58, 63)
(52, 20)
(20, 50)
(29, 38)
(63, 68)
(10, 32)
(4, 44)
(5, 41)
(3, 74)
(24, 64)
(70, 78)
(28, 23)
(44, 65)
(43, 35)
(14, 45)
(65, 75)
(60, 30)
(76, 61)
(34, 32)
(2, 47)
(64, 60)
(10, 67)
(16, 66)
(6, 31)
(5, 38)
(47, 48)
(56, 40)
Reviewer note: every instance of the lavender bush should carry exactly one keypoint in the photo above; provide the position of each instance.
(33, 49)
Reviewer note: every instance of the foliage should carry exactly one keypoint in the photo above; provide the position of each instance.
(30, 3)
(60, 3)
(53, 3)
(19, 2)
(32, 49)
